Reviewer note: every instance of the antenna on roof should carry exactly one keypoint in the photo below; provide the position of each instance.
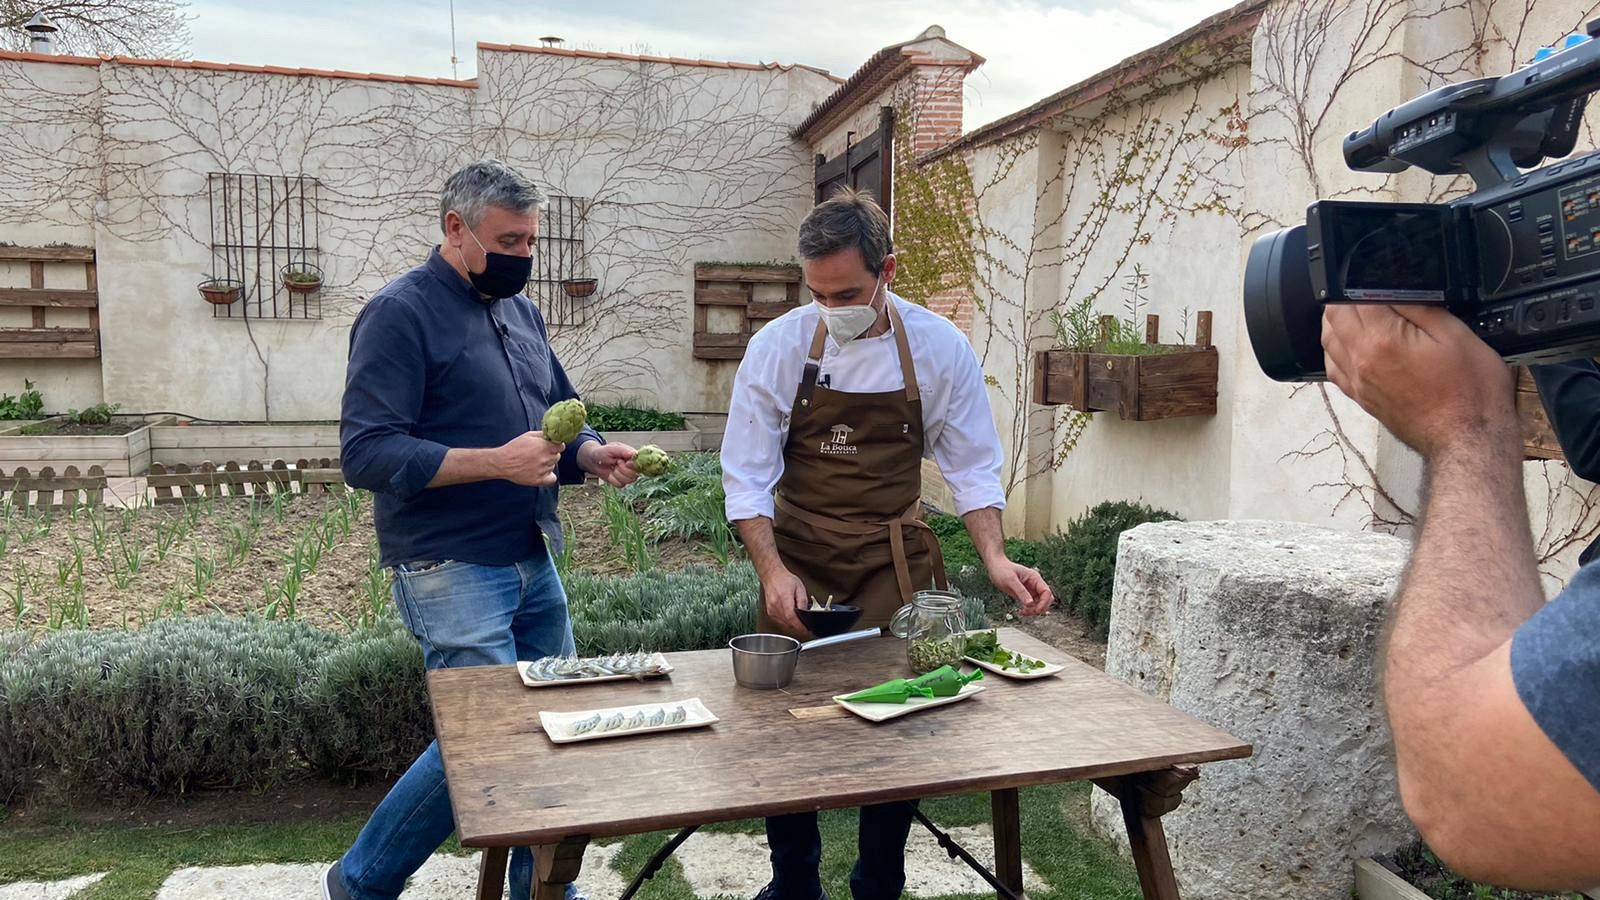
(453, 60)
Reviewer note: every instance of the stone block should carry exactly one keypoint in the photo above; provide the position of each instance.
(1270, 631)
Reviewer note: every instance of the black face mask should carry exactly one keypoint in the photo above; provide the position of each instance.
(504, 274)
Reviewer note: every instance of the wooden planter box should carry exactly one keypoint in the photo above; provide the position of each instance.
(221, 444)
(1181, 382)
(119, 455)
(686, 441)
(1374, 882)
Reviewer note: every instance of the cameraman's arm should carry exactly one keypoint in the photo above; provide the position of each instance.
(1487, 787)
(1570, 393)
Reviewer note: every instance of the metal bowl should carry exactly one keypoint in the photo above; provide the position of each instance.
(764, 661)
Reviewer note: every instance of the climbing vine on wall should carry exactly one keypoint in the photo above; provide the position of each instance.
(1314, 60)
(674, 162)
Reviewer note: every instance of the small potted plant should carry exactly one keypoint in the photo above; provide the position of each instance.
(221, 291)
(302, 278)
(578, 287)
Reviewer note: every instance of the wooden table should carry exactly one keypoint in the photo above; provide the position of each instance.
(794, 750)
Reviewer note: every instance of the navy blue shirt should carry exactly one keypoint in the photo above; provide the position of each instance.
(434, 367)
(1555, 662)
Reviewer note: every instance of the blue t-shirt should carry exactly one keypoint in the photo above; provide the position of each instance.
(1555, 663)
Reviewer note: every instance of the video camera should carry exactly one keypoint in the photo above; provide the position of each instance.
(1518, 259)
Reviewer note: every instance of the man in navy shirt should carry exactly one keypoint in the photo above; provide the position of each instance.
(1493, 695)
(449, 377)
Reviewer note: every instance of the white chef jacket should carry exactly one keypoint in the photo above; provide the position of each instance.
(959, 430)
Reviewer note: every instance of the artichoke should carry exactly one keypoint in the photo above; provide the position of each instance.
(652, 461)
(564, 421)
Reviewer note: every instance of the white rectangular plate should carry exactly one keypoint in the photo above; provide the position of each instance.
(1048, 670)
(883, 712)
(558, 725)
(522, 672)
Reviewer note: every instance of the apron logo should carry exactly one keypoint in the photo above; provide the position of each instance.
(840, 445)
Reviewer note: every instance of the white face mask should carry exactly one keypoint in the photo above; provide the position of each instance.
(846, 323)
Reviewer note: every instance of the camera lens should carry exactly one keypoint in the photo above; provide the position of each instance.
(1281, 312)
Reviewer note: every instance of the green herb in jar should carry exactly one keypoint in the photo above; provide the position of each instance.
(927, 654)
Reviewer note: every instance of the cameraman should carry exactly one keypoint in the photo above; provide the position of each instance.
(1493, 695)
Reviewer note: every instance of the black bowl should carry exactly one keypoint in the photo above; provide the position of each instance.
(828, 622)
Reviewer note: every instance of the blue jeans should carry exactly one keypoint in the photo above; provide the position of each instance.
(462, 614)
(880, 870)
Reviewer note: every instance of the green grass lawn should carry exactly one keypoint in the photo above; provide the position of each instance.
(1055, 843)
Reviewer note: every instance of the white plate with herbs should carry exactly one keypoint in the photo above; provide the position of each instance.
(625, 721)
(1009, 663)
(553, 671)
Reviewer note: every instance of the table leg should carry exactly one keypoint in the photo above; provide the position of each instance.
(492, 873)
(1007, 821)
(556, 866)
(1145, 798)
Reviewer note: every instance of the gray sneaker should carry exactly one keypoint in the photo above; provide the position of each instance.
(333, 883)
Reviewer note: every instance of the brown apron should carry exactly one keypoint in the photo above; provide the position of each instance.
(847, 519)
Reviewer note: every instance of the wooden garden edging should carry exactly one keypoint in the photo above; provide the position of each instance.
(219, 444)
(183, 483)
(49, 491)
(1180, 382)
(686, 440)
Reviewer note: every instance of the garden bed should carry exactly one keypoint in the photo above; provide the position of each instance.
(315, 555)
(120, 455)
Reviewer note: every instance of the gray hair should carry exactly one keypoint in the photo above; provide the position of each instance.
(848, 219)
(485, 183)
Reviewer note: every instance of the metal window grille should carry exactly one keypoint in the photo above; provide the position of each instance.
(261, 225)
(559, 260)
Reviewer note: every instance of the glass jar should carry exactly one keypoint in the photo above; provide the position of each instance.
(934, 626)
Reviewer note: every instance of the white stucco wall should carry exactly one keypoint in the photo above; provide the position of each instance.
(679, 163)
(51, 113)
(1053, 238)
(1273, 451)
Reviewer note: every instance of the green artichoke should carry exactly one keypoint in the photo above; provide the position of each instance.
(652, 461)
(563, 421)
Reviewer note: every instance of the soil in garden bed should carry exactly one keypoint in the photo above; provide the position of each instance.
(75, 428)
(1062, 629)
(583, 515)
(140, 565)
(1417, 865)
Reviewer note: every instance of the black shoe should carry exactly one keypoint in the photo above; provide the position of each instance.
(333, 883)
(771, 893)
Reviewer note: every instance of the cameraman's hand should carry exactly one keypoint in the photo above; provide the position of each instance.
(1421, 372)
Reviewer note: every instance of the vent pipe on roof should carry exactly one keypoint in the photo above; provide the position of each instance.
(42, 29)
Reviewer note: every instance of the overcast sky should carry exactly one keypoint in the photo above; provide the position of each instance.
(1033, 47)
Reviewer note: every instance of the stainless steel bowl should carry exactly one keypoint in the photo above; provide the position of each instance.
(767, 661)
(764, 661)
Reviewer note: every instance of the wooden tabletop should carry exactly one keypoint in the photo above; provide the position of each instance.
(789, 750)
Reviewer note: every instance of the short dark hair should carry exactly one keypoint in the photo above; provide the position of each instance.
(850, 218)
